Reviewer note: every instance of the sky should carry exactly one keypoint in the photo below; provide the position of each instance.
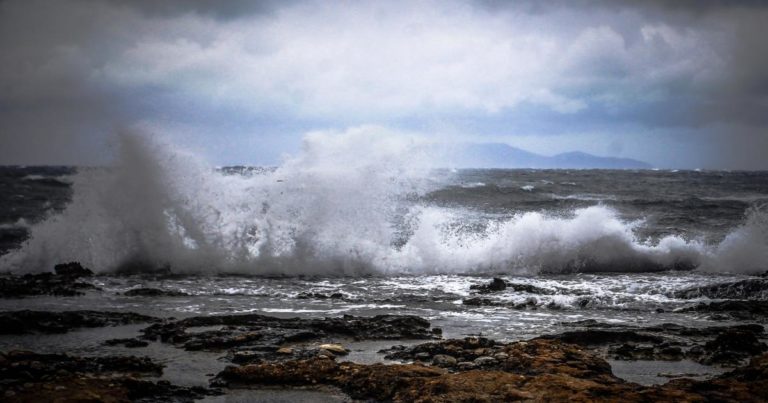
(679, 84)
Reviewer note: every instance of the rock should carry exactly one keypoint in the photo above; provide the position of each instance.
(336, 349)
(668, 342)
(484, 361)
(495, 285)
(318, 295)
(732, 310)
(732, 347)
(63, 283)
(443, 360)
(130, 343)
(270, 333)
(72, 270)
(284, 350)
(746, 289)
(21, 322)
(29, 376)
(154, 292)
(540, 370)
(595, 337)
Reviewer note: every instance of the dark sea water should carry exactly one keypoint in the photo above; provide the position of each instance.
(607, 245)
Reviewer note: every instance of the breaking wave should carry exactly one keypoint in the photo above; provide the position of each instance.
(349, 203)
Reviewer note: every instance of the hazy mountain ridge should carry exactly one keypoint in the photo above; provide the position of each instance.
(499, 155)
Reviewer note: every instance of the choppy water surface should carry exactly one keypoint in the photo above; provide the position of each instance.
(387, 234)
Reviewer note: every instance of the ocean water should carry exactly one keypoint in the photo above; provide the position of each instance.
(377, 221)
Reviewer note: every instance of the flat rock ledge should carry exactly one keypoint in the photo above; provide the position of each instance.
(23, 322)
(32, 377)
(537, 370)
(265, 334)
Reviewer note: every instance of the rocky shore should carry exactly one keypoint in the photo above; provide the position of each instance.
(417, 364)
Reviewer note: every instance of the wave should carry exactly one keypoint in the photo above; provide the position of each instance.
(349, 203)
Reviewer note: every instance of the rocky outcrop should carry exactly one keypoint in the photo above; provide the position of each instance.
(741, 310)
(32, 377)
(63, 282)
(21, 322)
(756, 288)
(713, 345)
(266, 334)
(538, 370)
(153, 292)
(498, 284)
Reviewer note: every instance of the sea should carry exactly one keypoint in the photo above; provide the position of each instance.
(384, 230)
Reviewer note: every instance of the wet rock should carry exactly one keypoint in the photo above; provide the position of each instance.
(130, 343)
(336, 349)
(539, 370)
(154, 292)
(746, 289)
(498, 284)
(29, 366)
(593, 337)
(32, 377)
(72, 270)
(742, 310)
(443, 360)
(21, 322)
(494, 285)
(667, 342)
(318, 295)
(732, 347)
(268, 334)
(64, 282)
(477, 301)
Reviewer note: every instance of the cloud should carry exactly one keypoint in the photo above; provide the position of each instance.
(545, 69)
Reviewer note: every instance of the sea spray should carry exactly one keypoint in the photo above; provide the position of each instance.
(350, 202)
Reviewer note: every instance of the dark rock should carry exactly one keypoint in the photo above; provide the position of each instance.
(72, 270)
(667, 341)
(477, 301)
(317, 295)
(746, 289)
(154, 292)
(21, 322)
(732, 347)
(597, 337)
(267, 333)
(495, 285)
(130, 343)
(32, 377)
(63, 283)
(539, 370)
(743, 310)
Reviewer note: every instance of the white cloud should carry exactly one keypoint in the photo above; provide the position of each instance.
(334, 60)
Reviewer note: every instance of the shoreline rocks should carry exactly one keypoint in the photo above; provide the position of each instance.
(28, 376)
(536, 370)
(713, 345)
(63, 282)
(24, 322)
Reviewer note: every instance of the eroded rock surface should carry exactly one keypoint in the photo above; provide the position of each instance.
(538, 370)
(713, 345)
(746, 289)
(154, 292)
(21, 322)
(63, 282)
(253, 337)
(32, 377)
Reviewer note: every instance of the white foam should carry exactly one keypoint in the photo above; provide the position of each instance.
(337, 207)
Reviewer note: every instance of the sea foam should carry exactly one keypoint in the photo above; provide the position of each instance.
(349, 203)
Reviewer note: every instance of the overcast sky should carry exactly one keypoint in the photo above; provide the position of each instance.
(680, 86)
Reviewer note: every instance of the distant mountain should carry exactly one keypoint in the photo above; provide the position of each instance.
(499, 155)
